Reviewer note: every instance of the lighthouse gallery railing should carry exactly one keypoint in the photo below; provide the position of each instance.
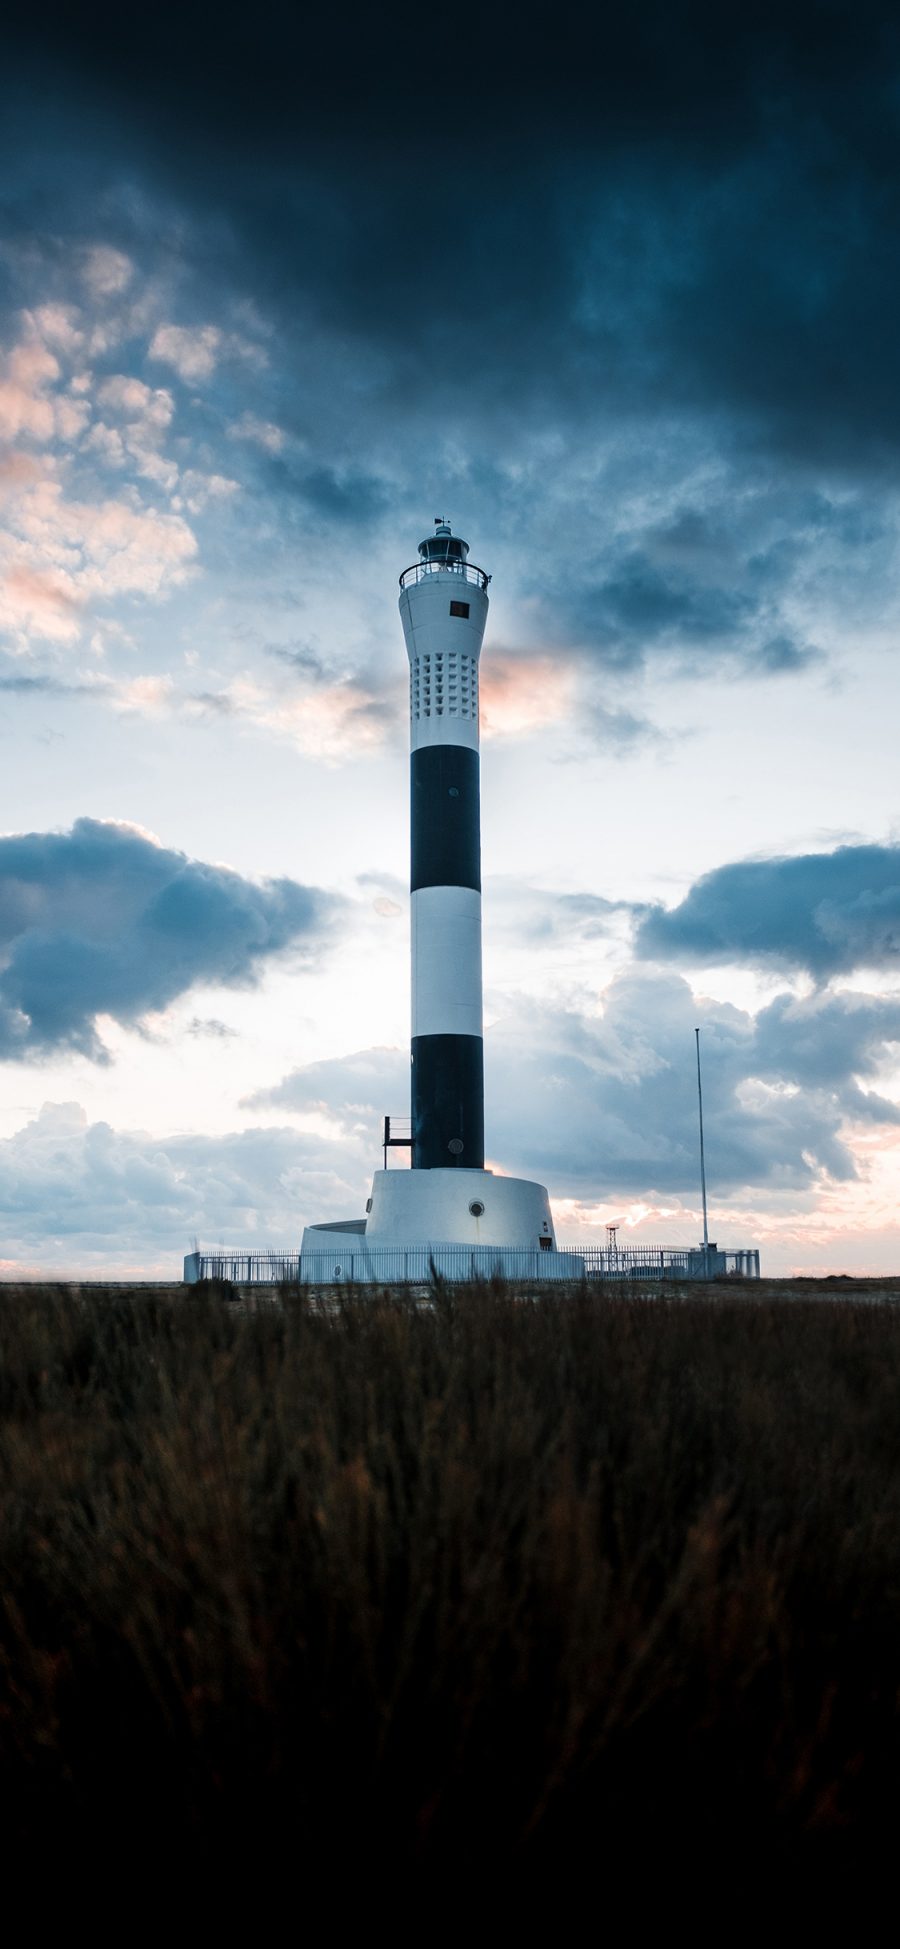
(467, 572)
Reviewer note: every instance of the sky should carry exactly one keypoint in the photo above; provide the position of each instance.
(618, 294)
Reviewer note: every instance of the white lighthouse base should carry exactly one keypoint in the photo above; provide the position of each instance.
(466, 1224)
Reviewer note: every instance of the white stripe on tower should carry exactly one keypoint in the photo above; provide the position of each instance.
(444, 605)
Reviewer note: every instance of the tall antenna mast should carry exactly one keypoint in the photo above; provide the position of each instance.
(702, 1156)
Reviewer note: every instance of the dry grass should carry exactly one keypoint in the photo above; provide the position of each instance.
(482, 1585)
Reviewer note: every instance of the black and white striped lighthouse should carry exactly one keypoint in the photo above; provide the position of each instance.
(444, 605)
(450, 1198)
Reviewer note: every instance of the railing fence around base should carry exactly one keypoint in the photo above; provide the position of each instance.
(418, 1265)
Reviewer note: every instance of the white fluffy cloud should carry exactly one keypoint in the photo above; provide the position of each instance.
(136, 421)
(137, 405)
(81, 1197)
(107, 272)
(328, 719)
(31, 406)
(57, 555)
(260, 433)
(192, 352)
(61, 550)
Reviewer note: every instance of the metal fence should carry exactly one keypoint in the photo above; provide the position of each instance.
(419, 1265)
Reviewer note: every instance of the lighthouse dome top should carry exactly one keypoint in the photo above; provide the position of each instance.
(442, 553)
(443, 545)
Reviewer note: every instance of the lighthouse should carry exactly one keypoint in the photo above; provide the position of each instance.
(448, 1199)
(450, 1215)
(443, 608)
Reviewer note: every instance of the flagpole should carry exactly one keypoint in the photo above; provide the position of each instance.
(702, 1155)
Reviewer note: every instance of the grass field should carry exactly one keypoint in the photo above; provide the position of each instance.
(479, 1585)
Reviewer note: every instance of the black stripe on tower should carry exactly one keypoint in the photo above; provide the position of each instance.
(445, 817)
(447, 1102)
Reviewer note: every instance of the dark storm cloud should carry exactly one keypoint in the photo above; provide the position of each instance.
(642, 601)
(102, 921)
(593, 1104)
(356, 499)
(644, 607)
(671, 206)
(642, 236)
(827, 913)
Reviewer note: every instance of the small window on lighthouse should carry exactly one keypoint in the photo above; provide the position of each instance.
(459, 608)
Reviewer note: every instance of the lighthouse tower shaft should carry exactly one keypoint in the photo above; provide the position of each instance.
(443, 606)
(448, 1200)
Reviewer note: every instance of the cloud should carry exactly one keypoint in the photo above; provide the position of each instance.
(355, 1089)
(143, 415)
(142, 696)
(57, 555)
(140, 406)
(341, 496)
(149, 696)
(58, 325)
(644, 215)
(80, 1196)
(605, 1103)
(523, 694)
(61, 550)
(261, 433)
(619, 731)
(601, 1106)
(198, 490)
(104, 921)
(648, 487)
(43, 685)
(106, 272)
(610, 1100)
(29, 409)
(538, 914)
(326, 716)
(825, 913)
(702, 587)
(45, 603)
(654, 332)
(194, 352)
